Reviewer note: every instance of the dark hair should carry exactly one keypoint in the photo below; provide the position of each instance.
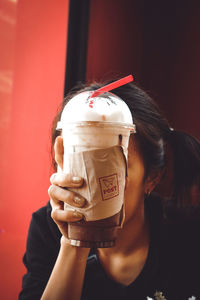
(153, 134)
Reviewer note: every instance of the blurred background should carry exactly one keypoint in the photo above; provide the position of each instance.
(45, 48)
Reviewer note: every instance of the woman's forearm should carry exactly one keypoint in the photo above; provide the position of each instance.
(66, 280)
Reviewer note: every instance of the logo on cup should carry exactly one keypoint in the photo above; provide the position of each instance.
(109, 186)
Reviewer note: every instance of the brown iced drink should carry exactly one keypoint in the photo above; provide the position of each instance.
(96, 136)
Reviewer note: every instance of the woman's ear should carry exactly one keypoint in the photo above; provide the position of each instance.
(152, 181)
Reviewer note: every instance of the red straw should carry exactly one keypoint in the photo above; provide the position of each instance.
(112, 86)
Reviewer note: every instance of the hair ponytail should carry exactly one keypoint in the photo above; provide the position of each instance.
(186, 162)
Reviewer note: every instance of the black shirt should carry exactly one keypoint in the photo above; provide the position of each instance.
(171, 271)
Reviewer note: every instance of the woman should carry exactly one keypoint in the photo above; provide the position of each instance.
(157, 251)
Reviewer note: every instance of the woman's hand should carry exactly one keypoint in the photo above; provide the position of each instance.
(59, 194)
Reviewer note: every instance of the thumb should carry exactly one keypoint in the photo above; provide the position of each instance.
(59, 151)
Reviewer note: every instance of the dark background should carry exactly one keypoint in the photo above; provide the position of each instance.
(156, 41)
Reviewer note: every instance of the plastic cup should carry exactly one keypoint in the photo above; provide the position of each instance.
(91, 124)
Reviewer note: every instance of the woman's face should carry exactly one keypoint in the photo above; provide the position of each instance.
(136, 185)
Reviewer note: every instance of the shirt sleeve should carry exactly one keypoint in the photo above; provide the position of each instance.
(42, 249)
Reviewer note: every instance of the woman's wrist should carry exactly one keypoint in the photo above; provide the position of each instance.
(79, 252)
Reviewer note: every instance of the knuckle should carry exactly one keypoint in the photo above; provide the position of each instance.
(65, 179)
(53, 214)
(50, 190)
(52, 178)
(60, 179)
(57, 194)
(54, 205)
(69, 197)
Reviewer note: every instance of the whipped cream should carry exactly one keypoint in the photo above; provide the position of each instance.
(106, 107)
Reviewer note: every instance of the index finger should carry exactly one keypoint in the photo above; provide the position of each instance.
(66, 180)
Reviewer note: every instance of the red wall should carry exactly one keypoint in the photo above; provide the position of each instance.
(33, 35)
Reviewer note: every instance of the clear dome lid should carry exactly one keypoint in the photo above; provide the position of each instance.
(106, 108)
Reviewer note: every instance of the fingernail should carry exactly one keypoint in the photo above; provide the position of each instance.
(76, 179)
(78, 215)
(78, 200)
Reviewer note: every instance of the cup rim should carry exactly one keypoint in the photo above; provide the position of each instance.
(128, 126)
